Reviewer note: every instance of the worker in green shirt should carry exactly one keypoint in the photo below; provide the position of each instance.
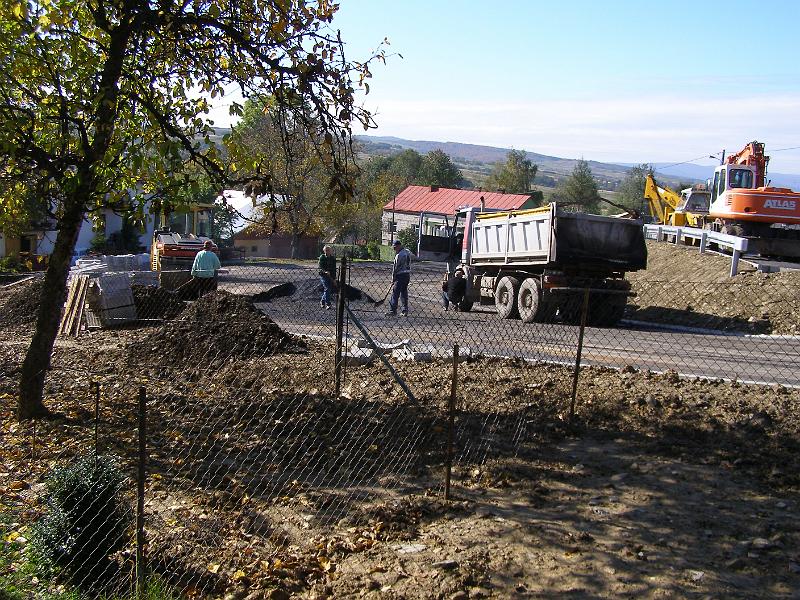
(327, 275)
(204, 270)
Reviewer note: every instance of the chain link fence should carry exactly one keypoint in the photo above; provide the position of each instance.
(271, 452)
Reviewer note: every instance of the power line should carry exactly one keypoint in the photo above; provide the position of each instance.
(782, 149)
(689, 161)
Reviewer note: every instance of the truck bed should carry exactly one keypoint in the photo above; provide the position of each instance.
(549, 237)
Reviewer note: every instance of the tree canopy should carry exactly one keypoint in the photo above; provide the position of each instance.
(579, 190)
(631, 188)
(437, 168)
(514, 176)
(102, 102)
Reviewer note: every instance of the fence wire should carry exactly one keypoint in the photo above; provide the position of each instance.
(261, 477)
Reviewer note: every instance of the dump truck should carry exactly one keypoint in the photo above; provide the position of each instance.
(537, 264)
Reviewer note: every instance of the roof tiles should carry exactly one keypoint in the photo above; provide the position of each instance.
(419, 198)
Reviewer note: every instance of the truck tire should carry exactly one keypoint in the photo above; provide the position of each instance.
(530, 305)
(505, 297)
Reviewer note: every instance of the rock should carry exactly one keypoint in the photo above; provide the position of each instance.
(459, 595)
(761, 544)
(446, 565)
(277, 594)
(479, 592)
(696, 575)
(373, 585)
(409, 548)
(355, 356)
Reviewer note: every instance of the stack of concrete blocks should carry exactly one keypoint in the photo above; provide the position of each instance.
(111, 299)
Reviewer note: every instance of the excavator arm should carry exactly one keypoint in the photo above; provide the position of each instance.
(663, 201)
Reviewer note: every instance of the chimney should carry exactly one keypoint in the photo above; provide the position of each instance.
(434, 188)
(483, 204)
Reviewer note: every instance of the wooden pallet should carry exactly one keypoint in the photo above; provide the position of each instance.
(73, 309)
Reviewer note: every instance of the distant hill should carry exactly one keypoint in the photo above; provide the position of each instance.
(479, 159)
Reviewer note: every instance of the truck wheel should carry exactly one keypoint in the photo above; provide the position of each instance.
(529, 302)
(505, 297)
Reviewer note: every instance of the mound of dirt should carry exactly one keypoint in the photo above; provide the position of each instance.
(22, 303)
(683, 287)
(216, 328)
(155, 303)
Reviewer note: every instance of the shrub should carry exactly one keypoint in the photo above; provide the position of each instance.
(86, 518)
(374, 250)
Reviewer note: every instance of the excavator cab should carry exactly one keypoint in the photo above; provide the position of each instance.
(694, 200)
(732, 176)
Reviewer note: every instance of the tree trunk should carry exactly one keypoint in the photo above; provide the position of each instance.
(295, 244)
(37, 360)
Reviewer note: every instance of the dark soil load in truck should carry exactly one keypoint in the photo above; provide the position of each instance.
(535, 264)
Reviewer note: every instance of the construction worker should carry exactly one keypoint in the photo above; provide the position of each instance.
(401, 275)
(327, 275)
(453, 290)
(204, 270)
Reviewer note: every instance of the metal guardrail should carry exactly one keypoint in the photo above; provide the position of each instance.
(737, 245)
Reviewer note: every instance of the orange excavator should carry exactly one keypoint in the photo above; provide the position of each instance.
(742, 205)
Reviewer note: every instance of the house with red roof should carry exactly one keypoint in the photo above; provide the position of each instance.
(404, 211)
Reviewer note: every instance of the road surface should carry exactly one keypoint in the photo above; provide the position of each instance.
(748, 358)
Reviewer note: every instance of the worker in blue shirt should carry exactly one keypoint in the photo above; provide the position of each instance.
(401, 274)
(204, 270)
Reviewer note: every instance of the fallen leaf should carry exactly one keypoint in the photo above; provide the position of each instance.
(214, 568)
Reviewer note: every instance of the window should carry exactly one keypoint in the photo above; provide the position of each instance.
(740, 178)
(253, 248)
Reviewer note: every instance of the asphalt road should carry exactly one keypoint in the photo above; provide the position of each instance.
(761, 359)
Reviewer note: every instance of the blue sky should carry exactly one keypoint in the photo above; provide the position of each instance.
(611, 81)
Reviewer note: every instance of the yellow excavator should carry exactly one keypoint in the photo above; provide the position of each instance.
(689, 208)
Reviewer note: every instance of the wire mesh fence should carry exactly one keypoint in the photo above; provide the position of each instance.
(268, 461)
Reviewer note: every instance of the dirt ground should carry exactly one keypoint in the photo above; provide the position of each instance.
(660, 487)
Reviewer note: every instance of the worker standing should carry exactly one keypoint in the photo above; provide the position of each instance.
(327, 275)
(204, 270)
(401, 275)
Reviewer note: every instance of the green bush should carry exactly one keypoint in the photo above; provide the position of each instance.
(409, 238)
(374, 250)
(86, 518)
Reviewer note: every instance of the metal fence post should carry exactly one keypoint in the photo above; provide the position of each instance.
(584, 312)
(340, 325)
(140, 570)
(451, 423)
(96, 388)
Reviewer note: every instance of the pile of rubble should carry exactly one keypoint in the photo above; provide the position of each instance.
(155, 302)
(216, 328)
(22, 303)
